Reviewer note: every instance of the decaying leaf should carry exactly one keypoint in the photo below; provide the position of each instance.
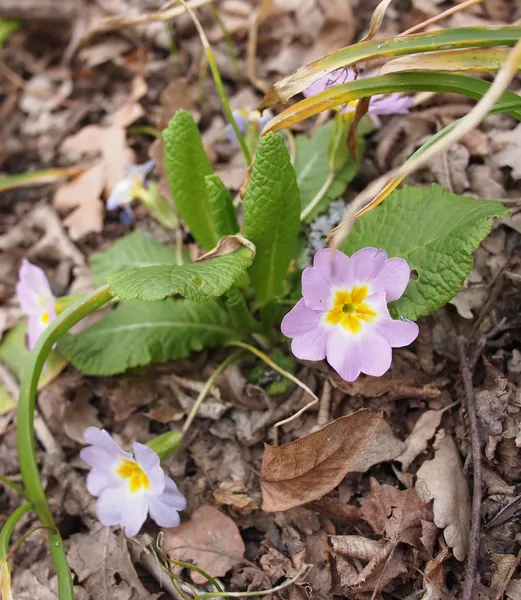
(307, 469)
(442, 480)
(423, 431)
(356, 546)
(434, 578)
(381, 447)
(211, 540)
(234, 495)
(228, 245)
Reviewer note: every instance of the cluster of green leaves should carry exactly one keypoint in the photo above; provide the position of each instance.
(169, 306)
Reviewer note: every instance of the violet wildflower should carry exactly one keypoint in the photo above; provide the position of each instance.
(343, 314)
(129, 486)
(36, 299)
(131, 186)
(249, 120)
(381, 104)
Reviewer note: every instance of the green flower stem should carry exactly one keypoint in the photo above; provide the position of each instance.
(8, 528)
(14, 486)
(207, 386)
(211, 580)
(25, 428)
(218, 82)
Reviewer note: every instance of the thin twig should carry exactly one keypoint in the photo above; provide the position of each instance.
(443, 15)
(477, 490)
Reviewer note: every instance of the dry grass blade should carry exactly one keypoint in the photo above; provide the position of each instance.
(305, 470)
(251, 48)
(376, 20)
(466, 125)
(443, 15)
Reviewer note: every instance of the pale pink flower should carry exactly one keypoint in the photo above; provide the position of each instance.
(129, 486)
(248, 118)
(36, 299)
(130, 186)
(343, 314)
(381, 104)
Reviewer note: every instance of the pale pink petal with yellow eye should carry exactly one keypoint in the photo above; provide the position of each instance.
(99, 480)
(33, 289)
(335, 267)
(393, 278)
(398, 333)
(134, 514)
(375, 354)
(149, 461)
(172, 496)
(367, 262)
(120, 195)
(316, 290)
(300, 320)
(109, 507)
(35, 328)
(344, 354)
(311, 345)
(101, 438)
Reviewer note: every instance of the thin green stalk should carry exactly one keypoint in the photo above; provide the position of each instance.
(8, 528)
(227, 39)
(218, 82)
(14, 486)
(25, 428)
(211, 580)
(207, 387)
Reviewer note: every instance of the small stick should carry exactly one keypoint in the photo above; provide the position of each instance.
(477, 490)
(443, 15)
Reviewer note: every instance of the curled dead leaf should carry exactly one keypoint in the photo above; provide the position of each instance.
(228, 245)
(305, 470)
(423, 431)
(442, 480)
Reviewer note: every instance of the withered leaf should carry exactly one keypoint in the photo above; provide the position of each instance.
(211, 540)
(423, 431)
(305, 470)
(442, 480)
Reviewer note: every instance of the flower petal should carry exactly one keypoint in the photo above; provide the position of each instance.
(367, 262)
(299, 320)
(99, 458)
(343, 354)
(163, 514)
(110, 505)
(393, 278)
(172, 496)
(141, 170)
(398, 333)
(101, 438)
(99, 480)
(150, 463)
(316, 290)
(390, 104)
(311, 345)
(337, 77)
(134, 514)
(120, 195)
(35, 328)
(334, 266)
(375, 354)
(33, 289)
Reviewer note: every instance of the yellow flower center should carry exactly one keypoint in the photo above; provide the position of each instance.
(137, 478)
(350, 310)
(46, 318)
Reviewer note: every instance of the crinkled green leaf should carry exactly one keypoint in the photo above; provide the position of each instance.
(223, 212)
(271, 216)
(133, 250)
(312, 168)
(239, 311)
(198, 281)
(186, 167)
(15, 354)
(436, 232)
(135, 334)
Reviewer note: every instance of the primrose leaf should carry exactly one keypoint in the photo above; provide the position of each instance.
(135, 334)
(436, 232)
(221, 206)
(197, 281)
(271, 216)
(133, 250)
(311, 166)
(186, 167)
(14, 354)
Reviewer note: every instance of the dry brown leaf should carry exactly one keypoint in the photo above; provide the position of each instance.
(210, 540)
(393, 512)
(127, 114)
(382, 447)
(234, 495)
(513, 590)
(434, 578)
(423, 431)
(79, 415)
(508, 149)
(84, 189)
(442, 480)
(392, 389)
(355, 546)
(505, 565)
(228, 244)
(116, 154)
(307, 469)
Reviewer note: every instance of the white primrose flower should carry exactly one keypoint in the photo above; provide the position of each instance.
(129, 486)
(130, 186)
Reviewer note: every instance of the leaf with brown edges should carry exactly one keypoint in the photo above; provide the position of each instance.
(307, 469)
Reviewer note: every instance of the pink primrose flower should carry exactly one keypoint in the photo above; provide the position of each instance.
(343, 314)
(36, 299)
(129, 486)
(381, 104)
